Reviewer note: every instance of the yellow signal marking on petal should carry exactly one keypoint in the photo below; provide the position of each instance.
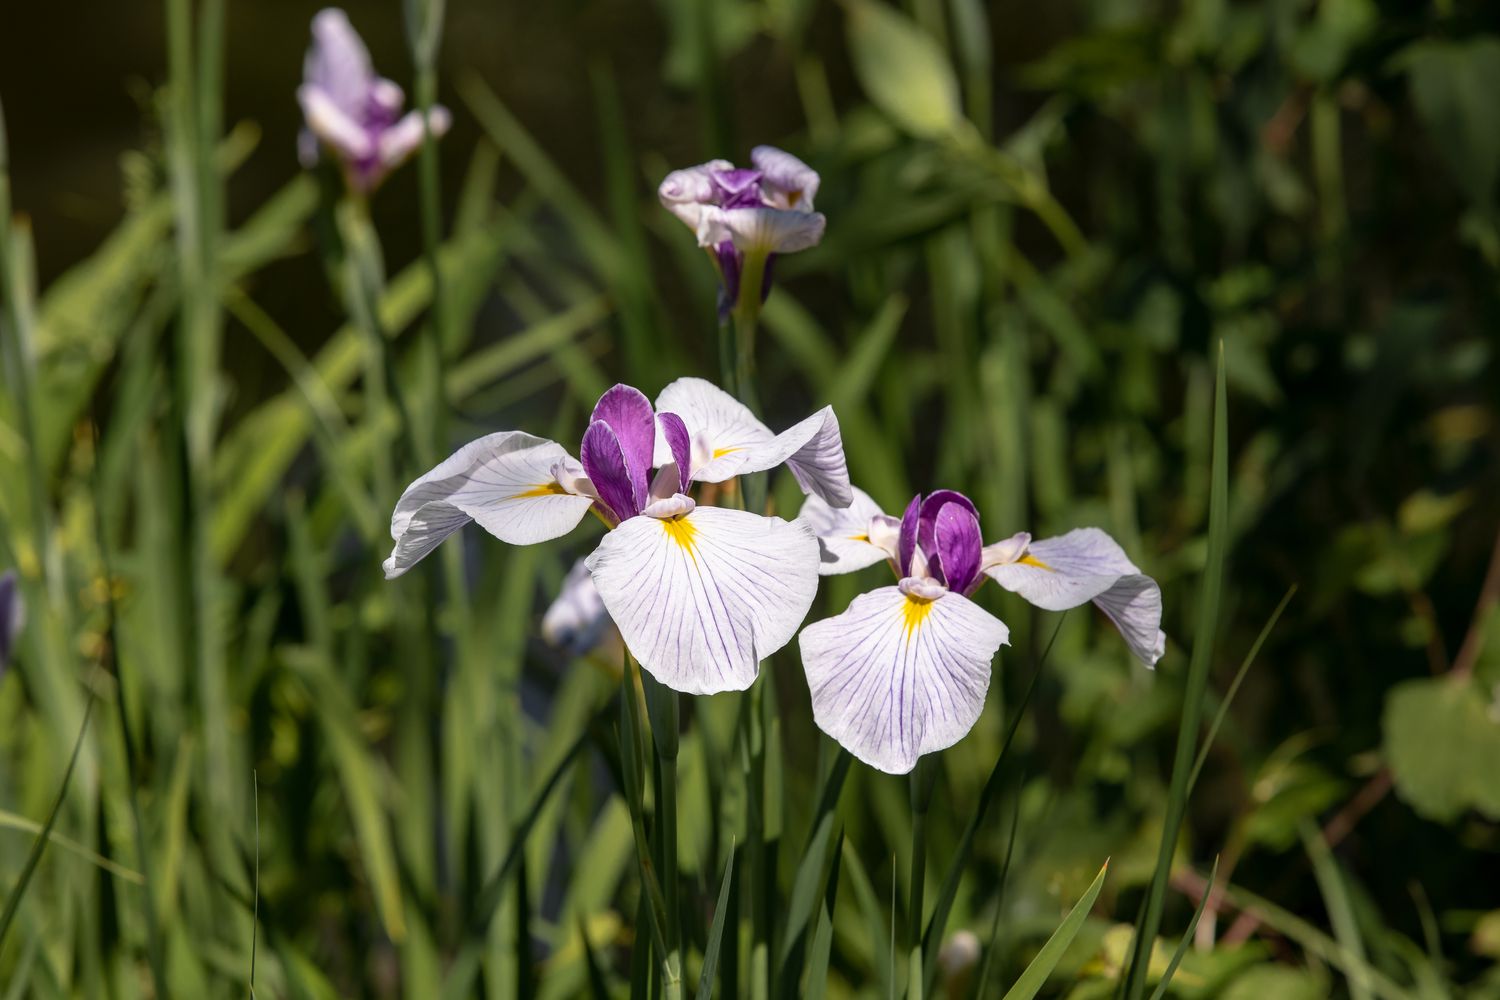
(1029, 560)
(553, 489)
(859, 538)
(682, 532)
(913, 613)
(721, 452)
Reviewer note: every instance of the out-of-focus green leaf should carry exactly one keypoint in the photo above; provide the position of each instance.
(1443, 744)
(903, 70)
(1453, 85)
(1035, 975)
(1280, 981)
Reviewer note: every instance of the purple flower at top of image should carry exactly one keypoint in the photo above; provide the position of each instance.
(350, 112)
(904, 671)
(12, 616)
(760, 211)
(700, 594)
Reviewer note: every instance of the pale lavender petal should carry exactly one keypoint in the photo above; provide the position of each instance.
(907, 546)
(604, 460)
(1006, 551)
(898, 675)
(723, 430)
(628, 413)
(506, 482)
(786, 181)
(814, 450)
(702, 599)
(1064, 572)
(958, 546)
(576, 621)
(761, 230)
(1134, 605)
(684, 193)
(844, 540)
(401, 140)
(12, 616)
(334, 126)
(680, 443)
(338, 62)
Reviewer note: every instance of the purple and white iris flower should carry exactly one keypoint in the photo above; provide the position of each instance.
(739, 213)
(352, 113)
(904, 671)
(700, 594)
(12, 616)
(576, 621)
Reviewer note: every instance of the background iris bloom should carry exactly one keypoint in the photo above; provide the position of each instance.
(700, 594)
(353, 113)
(904, 671)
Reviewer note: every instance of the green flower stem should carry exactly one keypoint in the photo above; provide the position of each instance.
(746, 320)
(663, 708)
(922, 780)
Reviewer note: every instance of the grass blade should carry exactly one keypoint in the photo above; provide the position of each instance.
(1187, 935)
(1340, 910)
(722, 916)
(1041, 967)
(1192, 704)
(822, 942)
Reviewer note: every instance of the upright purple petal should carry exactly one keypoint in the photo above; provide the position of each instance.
(12, 616)
(676, 434)
(927, 522)
(958, 546)
(604, 460)
(628, 413)
(737, 187)
(338, 62)
(907, 545)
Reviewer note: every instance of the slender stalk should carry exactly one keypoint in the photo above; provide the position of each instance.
(922, 780)
(663, 707)
(760, 858)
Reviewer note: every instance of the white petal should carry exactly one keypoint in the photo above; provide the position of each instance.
(504, 481)
(685, 192)
(576, 621)
(1134, 605)
(894, 678)
(761, 230)
(332, 126)
(1066, 571)
(702, 599)
(406, 136)
(814, 450)
(720, 426)
(338, 62)
(843, 533)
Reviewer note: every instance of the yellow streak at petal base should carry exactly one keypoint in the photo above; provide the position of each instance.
(553, 489)
(682, 532)
(913, 613)
(1034, 561)
(721, 452)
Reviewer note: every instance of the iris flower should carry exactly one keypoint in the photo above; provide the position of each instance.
(903, 672)
(12, 616)
(352, 113)
(576, 621)
(700, 594)
(747, 213)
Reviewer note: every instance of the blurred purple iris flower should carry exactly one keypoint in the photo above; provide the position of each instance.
(352, 113)
(12, 616)
(737, 212)
(699, 594)
(904, 671)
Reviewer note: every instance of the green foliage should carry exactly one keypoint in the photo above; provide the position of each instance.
(1443, 743)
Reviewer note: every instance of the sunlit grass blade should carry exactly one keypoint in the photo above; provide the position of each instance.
(1187, 936)
(1193, 693)
(723, 917)
(988, 965)
(39, 846)
(992, 785)
(1340, 908)
(1234, 686)
(1035, 976)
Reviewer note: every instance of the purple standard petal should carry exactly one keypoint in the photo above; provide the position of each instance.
(628, 413)
(676, 434)
(604, 460)
(958, 545)
(12, 616)
(907, 545)
(786, 181)
(927, 525)
(737, 187)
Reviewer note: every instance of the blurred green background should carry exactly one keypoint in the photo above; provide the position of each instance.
(1044, 223)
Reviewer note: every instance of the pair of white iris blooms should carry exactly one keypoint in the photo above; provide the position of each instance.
(701, 594)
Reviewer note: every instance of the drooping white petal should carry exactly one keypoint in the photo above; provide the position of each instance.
(1060, 573)
(576, 620)
(504, 481)
(722, 429)
(814, 450)
(703, 598)
(895, 676)
(786, 181)
(685, 193)
(1134, 605)
(332, 124)
(404, 138)
(844, 541)
(761, 230)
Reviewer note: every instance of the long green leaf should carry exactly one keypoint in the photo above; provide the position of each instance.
(1340, 909)
(722, 917)
(1041, 967)
(1187, 935)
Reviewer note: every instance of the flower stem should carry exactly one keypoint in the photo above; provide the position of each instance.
(664, 710)
(922, 780)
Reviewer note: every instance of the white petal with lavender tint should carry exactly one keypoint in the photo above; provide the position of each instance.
(761, 230)
(338, 63)
(576, 620)
(895, 677)
(332, 125)
(702, 599)
(404, 138)
(786, 182)
(503, 481)
(1060, 573)
(844, 541)
(686, 192)
(723, 431)
(1134, 605)
(814, 450)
